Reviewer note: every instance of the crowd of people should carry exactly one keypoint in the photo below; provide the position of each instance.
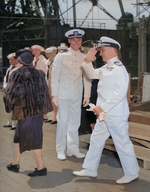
(53, 85)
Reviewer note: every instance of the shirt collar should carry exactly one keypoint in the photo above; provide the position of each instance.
(111, 61)
(72, 51)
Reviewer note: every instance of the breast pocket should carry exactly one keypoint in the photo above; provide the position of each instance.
(67, 64)
(108, 79)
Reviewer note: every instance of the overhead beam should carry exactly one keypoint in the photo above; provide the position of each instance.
(121, 6)
(105, 11)
(37, 9)
(86, 16)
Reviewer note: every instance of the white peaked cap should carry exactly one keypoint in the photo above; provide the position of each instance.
(109, 42)
(74, 33)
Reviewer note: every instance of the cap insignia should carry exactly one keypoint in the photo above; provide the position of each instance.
(75, 33)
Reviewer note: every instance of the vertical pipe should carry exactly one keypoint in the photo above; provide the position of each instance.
(142, 47)
(74, 13)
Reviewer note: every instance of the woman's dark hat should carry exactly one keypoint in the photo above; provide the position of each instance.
(20, 51)
(26, 58)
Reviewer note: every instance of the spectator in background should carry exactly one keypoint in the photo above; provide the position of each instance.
(51, 53)
(88, 118)
(39, 62)
(62, 48)
(13, 66)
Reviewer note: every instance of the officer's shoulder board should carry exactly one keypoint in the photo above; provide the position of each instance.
(118, 63)
(63, 51)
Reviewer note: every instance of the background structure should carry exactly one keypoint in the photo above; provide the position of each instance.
(27, 22)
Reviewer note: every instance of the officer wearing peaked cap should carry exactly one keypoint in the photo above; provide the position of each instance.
(67, 87)
(74, 33)
(109, 42)
(112, 110)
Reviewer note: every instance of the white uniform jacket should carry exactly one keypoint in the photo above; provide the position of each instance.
(112, 87)
(67, 72)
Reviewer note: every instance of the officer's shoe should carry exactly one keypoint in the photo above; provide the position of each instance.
(14, 168)
(35, 173)
(12, 128)
(76, 154)
(7, 125)
(61, 156)
(85, 172)
(53, 122)
(127, 179)
(47, 121)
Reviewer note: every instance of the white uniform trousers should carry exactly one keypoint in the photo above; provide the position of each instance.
(117, 127)
(68, 122)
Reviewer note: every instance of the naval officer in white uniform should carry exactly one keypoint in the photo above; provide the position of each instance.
(112, 108)
(67, 82)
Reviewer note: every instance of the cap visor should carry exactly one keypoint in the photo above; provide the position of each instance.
(78, 36)
(103, 45)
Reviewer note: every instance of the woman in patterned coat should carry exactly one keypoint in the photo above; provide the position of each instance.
(27, 96)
